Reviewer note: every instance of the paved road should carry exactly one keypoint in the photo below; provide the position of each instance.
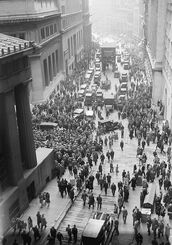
(76, 214)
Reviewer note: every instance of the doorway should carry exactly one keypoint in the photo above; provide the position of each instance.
(31, 192)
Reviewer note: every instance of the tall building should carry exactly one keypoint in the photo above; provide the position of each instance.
(38, 21)
(72, 33)
(23, 171)
(158, 40)
(87, 26)
(115, 17)
(167, 65)
(61, 30)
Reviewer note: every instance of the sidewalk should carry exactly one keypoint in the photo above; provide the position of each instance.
(54, 214)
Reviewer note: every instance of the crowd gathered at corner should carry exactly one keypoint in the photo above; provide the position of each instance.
(76, 149)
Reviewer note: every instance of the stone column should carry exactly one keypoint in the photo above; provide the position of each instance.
(11, 139)
(25, 126)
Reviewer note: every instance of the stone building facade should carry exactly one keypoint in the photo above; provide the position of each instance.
(23, 173)
(158, 30)
(60, 29)
(72, 33)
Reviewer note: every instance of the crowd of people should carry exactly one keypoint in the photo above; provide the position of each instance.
(76, 150)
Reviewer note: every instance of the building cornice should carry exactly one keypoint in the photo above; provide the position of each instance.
(71, 27)
(69, 14)
(28, 17)
(43, 44)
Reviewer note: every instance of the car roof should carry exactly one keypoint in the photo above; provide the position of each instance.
(78, 111)
(93, 228)
(81, 91)
(83, 85)
(89, 93)
(48, 124)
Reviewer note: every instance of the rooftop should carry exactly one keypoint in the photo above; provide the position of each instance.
(10, 45)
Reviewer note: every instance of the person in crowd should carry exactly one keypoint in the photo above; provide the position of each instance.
(99, 202)
(60, 237)
(75, 234)
(69, 232)
(124, 214)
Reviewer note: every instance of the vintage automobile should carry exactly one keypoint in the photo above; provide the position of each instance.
(88, 99)
(97, 77)
(81, 94)
(84, 86)
(124, 77)
(47, 125)
(150, 197)
(78, 113)
(99, 229)
(89, 115)
(117, 74)
(99, 97)
(109, 126)
(124, 85)
(126, 65)
(122, 91)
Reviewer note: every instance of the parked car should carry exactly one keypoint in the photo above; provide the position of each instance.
(97, 77)
(88, 99)
(126, 65)
(124, 77)
(81, 94)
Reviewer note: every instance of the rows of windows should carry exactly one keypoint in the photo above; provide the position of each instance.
(45, 3)
(49, 30)
(51, 67)
(75, 42)
(71, 20)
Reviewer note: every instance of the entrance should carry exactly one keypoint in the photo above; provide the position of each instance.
(31, 192)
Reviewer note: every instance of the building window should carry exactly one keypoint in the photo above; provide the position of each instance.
(79, 39)
(55, 28)
(47, 31)
(64, 24)
(69, 46)
(57, 61)
(45, 72)
(22, 35)
(54, 68)
(51, 29)
(50, 68)
(42, 33)
(63, 9)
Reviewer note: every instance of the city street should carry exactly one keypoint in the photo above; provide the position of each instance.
(86, 122)
(55, 214)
